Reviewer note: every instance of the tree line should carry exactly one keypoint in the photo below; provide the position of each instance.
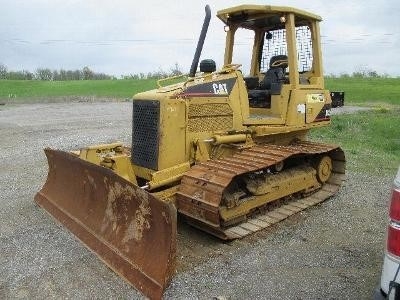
(160, 73)
(360, 73)
(85, 74)
(47, 74)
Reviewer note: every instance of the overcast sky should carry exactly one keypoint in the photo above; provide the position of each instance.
(128, 37)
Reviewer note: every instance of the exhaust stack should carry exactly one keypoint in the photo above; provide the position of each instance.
(200, 43)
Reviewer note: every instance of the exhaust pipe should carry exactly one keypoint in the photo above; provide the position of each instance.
(200, 43)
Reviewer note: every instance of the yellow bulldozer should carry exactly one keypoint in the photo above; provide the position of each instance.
(226, 148)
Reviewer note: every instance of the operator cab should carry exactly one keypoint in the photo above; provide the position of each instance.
(260, 91)
(283, 55)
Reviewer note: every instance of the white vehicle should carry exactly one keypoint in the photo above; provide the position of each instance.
(390, 279)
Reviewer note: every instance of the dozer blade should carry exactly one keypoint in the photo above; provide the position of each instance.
(133, 232)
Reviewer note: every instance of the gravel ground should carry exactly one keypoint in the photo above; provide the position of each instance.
(348, 109)
(331, 251)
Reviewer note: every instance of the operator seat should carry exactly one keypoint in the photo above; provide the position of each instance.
(271, 84)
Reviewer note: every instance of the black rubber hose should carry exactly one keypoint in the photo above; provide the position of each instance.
(200, 43)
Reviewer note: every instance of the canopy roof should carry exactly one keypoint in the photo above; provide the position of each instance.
(264, 17)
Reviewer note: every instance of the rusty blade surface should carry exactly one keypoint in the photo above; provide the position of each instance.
(133, 232)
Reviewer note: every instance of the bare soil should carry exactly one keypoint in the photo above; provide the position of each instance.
(330, 251)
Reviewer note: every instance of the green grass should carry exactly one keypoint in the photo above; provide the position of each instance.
(370, 139)
(366, 90)
(98, 88)
(358, 90)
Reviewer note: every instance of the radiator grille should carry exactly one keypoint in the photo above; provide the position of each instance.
(145, 133)
(209, 117)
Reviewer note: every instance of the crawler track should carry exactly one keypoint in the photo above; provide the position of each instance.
(201, 189)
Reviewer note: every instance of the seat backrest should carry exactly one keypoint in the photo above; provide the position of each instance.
(275, 75)
(278, 61)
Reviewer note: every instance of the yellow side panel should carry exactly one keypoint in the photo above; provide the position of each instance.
(172, 134)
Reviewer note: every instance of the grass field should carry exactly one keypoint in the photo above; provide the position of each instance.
(22, 89)
(358, 90)
(366, 90)
(370, 139)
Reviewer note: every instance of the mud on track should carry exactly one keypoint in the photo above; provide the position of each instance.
(333, 250)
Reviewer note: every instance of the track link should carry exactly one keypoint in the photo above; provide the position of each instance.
(201, 189)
